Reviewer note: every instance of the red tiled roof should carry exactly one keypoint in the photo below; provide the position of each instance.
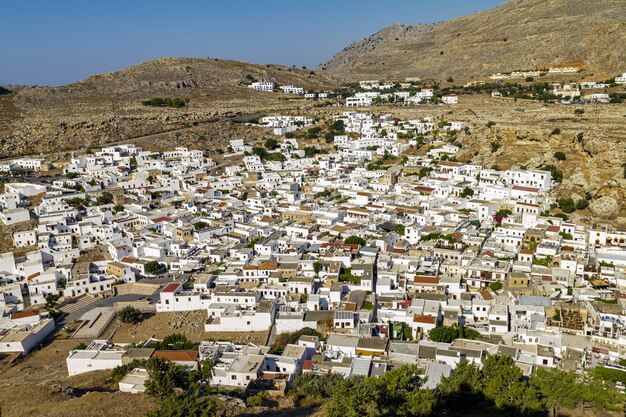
(161, 219)
(23, 314)
(171, 287)
(425, 280)
(486, 295)
(425, 319)
(176, 355)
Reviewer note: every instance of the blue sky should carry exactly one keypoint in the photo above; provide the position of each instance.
(54, 42)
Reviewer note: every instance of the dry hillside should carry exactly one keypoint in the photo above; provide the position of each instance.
(520, 34)
(107, 107)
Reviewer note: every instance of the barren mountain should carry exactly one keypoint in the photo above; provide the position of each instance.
(107, 107)
(520, 34)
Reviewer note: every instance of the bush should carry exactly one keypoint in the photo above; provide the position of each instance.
(174, 341)
(560, 156)
(165, 102)
(566, 204)
(495, 286)
(120, 371)
(257, 399)
(271, 144)
(467, 192)
(556, 131)
(129, 314)
(153, 267)
(186, 404)
(494, 147)
(582, 204)
(164, 377)
(446, 334)
(355, 240)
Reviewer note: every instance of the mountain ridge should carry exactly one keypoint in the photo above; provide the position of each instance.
(519, 34)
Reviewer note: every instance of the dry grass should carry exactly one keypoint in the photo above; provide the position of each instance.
(38, 386)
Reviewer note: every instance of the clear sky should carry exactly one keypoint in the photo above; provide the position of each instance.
(54, 42)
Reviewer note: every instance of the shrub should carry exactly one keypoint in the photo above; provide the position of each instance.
(566, 204)
(352, 240)
(556, 131)
(129, 314)
(495, 146)
(165, 102)
(257, 399)
(174, 341)
(153, 267)
(560, 156)
(582, 204)
(495, 286)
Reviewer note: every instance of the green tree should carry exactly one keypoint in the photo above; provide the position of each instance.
(504, 385)
(152, 267)
(164, 376)
(105, 198)
(444, 334)
(314, 389)
(495, 286)
(313, 132)
(257, 399)
(400, 229)
(467, 192)
(566, 204)
(174, 341)
(558, 388)
(310, 151)
(355, 240)
(271, 144)
(353, 398)
(129, 314)
(582, 204)
(185, 405)
(463, 386)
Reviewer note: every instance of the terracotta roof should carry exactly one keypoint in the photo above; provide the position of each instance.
(171, 287)
(424, 189)
(23, 314)
(161, 219)
(128, 260)
(553, 229)
(425, 319)
(176, 355)
(522, 188)
(487, 296)
(526, 251)
(425, 280)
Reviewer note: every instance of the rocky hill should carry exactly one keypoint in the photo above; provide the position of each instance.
(107, 107)
(520, 34)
